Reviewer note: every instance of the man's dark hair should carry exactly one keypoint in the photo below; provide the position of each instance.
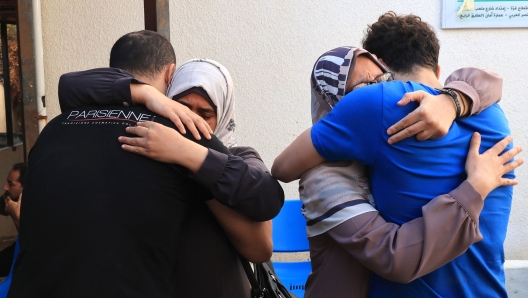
(21, 169)
(403, 42)
(143, 53)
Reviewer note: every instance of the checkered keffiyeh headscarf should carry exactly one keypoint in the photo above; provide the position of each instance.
(329, 78)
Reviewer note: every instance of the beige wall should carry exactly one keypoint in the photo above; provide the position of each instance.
(78, 35)
(270, 47)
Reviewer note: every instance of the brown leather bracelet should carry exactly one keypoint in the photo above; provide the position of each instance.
(455, 99)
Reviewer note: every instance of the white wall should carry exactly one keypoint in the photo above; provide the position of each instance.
(78, 35)
(270, 47)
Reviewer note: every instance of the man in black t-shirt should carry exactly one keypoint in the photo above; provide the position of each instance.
(99, 221)
(10, 206)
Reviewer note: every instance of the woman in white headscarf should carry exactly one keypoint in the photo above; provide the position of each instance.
(209, 80)
(246, 195)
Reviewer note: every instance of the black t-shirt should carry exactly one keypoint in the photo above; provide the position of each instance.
(99, 221)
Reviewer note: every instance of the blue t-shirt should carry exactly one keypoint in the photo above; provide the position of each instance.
(407, 175)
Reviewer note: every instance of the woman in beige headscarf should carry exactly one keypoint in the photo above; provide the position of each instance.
(246, 195)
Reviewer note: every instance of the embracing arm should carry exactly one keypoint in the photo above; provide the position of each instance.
(242, 182)
(403, 253)
(448, 227)
(423, 121)
(247, 197)
(296, 159)
(99, 86)
(476, 88)
(252, 239)
(482, 87)
(111, 86)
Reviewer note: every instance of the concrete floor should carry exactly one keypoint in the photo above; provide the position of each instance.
(517, 278)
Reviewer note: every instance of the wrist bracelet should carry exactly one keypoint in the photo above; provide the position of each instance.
(455, 99)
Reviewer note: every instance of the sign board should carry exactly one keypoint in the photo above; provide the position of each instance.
(487, 14)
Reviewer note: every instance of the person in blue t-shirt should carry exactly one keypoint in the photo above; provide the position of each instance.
(403, 174)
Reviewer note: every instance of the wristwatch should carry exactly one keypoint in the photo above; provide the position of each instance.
(454, 97)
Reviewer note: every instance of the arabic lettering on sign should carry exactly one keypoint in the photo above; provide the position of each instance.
(487, 14)
(497, 12)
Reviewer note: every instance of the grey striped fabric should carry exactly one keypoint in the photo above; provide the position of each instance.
(332, 193)
(328, 80)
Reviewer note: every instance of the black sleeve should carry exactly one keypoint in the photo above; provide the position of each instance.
(214, 143)
(202, 193)
(242, 182)
(99, 86)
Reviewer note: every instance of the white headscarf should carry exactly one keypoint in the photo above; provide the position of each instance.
(214, 78)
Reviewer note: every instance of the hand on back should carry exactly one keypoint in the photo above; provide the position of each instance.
(431, 120)
(485, 170)
(164, 144)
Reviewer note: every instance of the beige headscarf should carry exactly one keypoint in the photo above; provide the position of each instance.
(214, 79)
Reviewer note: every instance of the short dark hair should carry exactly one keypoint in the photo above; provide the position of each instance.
(403, 42)
(21, 169)
(143, 53)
